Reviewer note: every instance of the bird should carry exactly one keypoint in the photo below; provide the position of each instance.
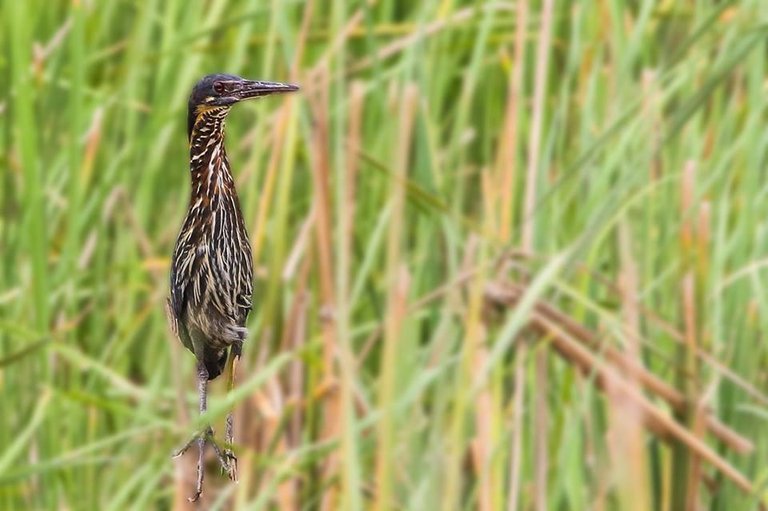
(211, 277)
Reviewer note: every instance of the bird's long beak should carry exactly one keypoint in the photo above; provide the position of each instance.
(254, 89)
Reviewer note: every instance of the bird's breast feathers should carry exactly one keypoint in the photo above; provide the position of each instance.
(212, 275)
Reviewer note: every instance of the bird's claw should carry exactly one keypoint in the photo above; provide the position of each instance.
(230, 461)
(180, 452)
(196, 496)
(226, 458)
(206, 435)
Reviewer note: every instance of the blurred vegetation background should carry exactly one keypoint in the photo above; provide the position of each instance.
(510, 254)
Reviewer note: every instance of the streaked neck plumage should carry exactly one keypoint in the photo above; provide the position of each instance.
(208, 163)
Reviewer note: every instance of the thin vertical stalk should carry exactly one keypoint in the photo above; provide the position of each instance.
(345, 204)
(508, 158)
(25, 137)
(266, 197)
(486, 414)
(78, 176)
(452, 493)
(397, 277)
(324, 242)
(541, 413)
(515, 459)
(627, 440)
(685, 467)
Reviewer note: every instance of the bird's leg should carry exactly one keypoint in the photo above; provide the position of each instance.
(202, 388)
(204, 437)
(234, 356)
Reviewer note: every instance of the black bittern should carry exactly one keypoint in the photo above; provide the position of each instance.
(212, 267)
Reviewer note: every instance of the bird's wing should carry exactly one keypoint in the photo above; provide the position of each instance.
(185, 264)
(180, 273)
(244, 297)
(177, 327)
(173, 320)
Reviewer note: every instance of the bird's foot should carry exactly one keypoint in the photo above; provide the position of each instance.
(180, 452)
(231, 464)
(226, 458)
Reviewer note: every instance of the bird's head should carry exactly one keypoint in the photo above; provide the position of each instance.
(220, 91)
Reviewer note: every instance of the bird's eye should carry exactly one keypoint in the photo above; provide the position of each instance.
(218, 87)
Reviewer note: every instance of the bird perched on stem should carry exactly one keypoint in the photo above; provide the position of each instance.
(212, 267)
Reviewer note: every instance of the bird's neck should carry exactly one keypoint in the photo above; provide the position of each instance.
(208, 163)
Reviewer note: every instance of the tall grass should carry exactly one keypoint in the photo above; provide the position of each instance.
(478, 231)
